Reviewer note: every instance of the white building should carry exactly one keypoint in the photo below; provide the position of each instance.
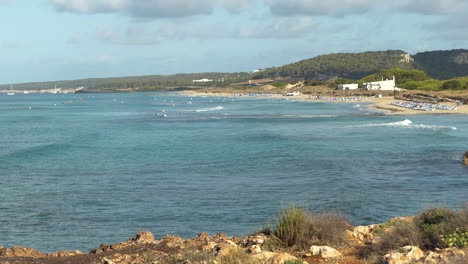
(202, 80)
(351, 86)
(387, 85)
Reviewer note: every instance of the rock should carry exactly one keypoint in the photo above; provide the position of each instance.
(65, 253)
(172, 241)
(273, 258)
(465, 158)
(202, 237)
(21, 252)
(362, 234)
(107, 261)
(143, 237)
(325, 252)
(255, 249)
(405, 255)
(446, 256)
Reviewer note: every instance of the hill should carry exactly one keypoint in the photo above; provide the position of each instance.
(437, 64)
(443, 64)
(345, 65)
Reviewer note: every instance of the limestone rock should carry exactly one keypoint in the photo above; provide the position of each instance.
(20, 252)
(274, 258)
(446, 256)
(405, 255)
(325, 252)
(362, 234)
(143, 237)
(65, 253)
(255, 249)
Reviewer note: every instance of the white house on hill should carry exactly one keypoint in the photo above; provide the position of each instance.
(387, 85)
(351, 86)
(202, 80)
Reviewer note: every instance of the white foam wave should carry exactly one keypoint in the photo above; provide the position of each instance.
(409, 124)
(209, 109)
(309, 116)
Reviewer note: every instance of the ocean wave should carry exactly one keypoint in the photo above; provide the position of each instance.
(209, 109)
(308, 116)
(408, 124)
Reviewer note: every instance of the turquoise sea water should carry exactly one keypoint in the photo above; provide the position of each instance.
(99, 169)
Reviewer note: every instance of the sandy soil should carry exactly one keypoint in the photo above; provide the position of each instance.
(381, 105)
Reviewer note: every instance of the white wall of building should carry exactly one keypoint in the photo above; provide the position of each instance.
(351, 86)
(387, 85)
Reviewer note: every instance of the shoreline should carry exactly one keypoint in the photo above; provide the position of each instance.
(381, 105)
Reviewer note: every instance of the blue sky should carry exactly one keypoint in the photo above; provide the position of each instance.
(46, 40)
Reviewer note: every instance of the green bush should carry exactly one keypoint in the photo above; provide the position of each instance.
(296, 229)
(457, 238)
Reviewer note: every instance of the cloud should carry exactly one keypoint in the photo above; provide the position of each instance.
(355, 7)
(5, 2)
(168, 8)
(436, 6)
(10, 45)
(280, 28)
(89, 6)
(235, 6)
(322, 8)
(150, 9)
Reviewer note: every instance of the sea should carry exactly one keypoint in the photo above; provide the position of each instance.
(79, 170)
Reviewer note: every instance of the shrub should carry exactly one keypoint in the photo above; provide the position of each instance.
(294, 262)
(191, 256)
(292, 227)
(393, 236)
(457, 238)
(238, 256)
(296, 229)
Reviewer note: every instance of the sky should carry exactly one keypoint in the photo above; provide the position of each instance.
(48, 40)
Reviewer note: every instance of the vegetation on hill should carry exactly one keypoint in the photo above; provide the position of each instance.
(421, 71)
(349, 65)
(147, 82)
(443, 64)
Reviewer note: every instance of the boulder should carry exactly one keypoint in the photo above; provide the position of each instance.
(21, 252)
(143, 237)
(362, 234)
(273, 257)
(446, 256)
(255, 249)
(404, 255)
(325, 252)
(465, 158)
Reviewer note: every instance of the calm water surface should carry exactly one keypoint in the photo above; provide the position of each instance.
(80, 170)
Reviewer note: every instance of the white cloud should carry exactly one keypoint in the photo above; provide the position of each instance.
(89, 6)
(324, 8)
(150, 8)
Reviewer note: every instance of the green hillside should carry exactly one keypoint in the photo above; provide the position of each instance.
(443, 64)
(148, 82)
(345, 65)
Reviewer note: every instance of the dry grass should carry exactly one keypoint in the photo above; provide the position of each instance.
(297, 230)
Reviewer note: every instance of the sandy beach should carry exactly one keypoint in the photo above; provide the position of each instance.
(381, 105)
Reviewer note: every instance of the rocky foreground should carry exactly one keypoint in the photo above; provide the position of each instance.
(205, 249)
